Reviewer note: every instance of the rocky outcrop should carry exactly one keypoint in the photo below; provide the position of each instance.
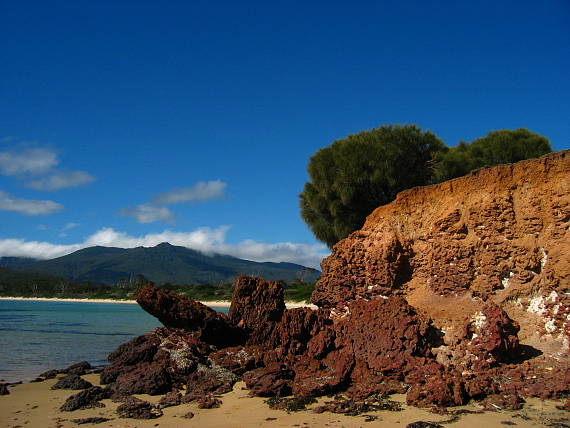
(369, 345)
(176, 311)
(257, 305)
(136, 408)
(72, 382)
(86, 399)
(498, 235)
(453, 292)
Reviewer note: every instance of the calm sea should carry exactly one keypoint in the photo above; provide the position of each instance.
(37, 336)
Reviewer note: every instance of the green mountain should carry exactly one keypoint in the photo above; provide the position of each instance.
(164, 263)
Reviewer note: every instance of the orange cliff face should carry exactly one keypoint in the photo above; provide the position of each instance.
(499, 235)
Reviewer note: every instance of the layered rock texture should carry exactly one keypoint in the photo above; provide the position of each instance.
(498, 235)
(453, 292)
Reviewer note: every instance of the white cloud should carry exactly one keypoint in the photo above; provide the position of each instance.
(27, 206)
(34, 249)
(70, 225)
(207, 240)
(40, 163)
(64, 229)
(61, 180)
(148, 213)
(201, 191)
(30, 161)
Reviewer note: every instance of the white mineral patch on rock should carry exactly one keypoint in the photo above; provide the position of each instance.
(544, 258)
(550, 326)
(505, 280)
(478, 319)
(536, 305)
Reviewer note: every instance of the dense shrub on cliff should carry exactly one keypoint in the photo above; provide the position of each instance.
(354, 175)
(497, 147)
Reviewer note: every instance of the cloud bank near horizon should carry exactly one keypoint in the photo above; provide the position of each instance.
(207, 240)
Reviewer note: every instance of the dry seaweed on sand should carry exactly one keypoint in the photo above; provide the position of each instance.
(289, 404)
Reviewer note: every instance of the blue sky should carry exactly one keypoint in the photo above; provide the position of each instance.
(130, 123)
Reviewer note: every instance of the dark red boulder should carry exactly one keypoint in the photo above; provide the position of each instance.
(72, 382)
(369, 347)
(274, 380)
(490, 338)
(239, 359)
(173, 398)
(177, 311)
(86, 399)
(295, 329)
(144, 378)
(210, 380)
(257, 305)
(441, 390)
(136, 408)
(141, 349)
(80, 368)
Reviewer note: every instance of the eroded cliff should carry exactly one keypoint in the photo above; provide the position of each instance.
(499, 234)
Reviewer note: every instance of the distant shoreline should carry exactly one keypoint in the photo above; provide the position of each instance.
(211, 303)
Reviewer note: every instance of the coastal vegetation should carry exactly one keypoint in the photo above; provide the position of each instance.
(32, 284)
(356, 174)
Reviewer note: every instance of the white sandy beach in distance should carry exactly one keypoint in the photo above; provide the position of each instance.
(211, 303)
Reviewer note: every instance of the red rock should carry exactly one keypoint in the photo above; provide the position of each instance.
(80, 368)
(239, 359)
(257, 305)
(500, 234)
(208, 402)
(136, 408)
(177, 311)
(173, 398)
(86, 399)
(370, 347)
(271, 381)
(503, 402)
(72, 382)
(210, 380)
(320, 377)
(435, 291)
(295, 329)
(440, 390)
(182, 352)
(141, 349)
(490, 338)
(145, 378)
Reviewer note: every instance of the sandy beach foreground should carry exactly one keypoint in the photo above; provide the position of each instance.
(211, 303)
(36, 405)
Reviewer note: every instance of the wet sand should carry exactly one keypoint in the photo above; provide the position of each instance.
(36, 405)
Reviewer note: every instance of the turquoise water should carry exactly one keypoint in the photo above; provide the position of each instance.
(36, 336)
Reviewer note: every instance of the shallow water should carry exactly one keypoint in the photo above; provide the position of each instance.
(36, 336)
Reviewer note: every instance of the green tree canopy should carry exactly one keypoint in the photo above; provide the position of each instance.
(497, 147)
(353, 176)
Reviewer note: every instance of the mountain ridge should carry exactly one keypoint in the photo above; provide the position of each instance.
(163, 263)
